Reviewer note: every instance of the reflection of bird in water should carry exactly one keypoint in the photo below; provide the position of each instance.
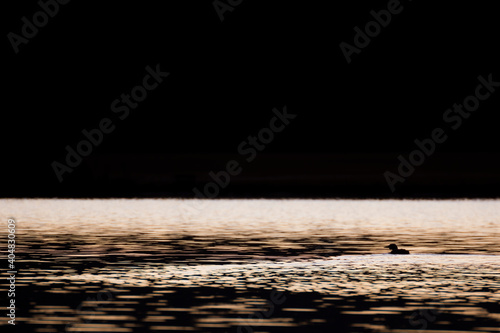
(395, 249)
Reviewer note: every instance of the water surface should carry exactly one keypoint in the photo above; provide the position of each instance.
(127, 265)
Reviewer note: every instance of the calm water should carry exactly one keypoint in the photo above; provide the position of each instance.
(255, 265)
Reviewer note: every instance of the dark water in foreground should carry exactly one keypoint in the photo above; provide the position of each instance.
(255, 265)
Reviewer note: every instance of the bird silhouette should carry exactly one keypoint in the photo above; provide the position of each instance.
(395, 249)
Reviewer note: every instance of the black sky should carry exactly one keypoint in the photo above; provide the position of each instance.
(225, 79)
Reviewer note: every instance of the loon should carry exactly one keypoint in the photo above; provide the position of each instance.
(395, 249)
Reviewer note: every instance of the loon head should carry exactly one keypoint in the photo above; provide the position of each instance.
(392, 246)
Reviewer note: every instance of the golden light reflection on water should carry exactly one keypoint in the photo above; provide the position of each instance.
(136, 265)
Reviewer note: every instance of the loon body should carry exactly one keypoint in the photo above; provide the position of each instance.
(395, 249)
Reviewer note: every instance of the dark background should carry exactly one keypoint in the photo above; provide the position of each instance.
(226, 77)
